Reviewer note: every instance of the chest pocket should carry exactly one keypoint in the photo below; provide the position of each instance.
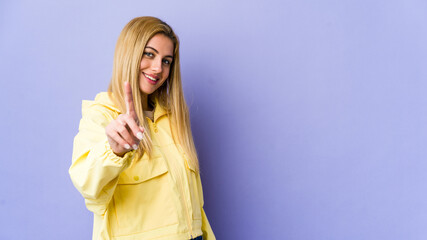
(143, 170)
(142, 199)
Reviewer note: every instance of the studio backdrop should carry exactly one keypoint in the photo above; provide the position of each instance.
(310, 117)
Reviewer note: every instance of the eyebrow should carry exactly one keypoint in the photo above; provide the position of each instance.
(158, 51)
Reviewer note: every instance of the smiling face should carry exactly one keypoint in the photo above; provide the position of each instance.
(155, 63)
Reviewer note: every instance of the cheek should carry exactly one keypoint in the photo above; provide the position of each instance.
(166, 73)
(144, 64)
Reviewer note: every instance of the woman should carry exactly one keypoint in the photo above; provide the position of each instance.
(134, 159)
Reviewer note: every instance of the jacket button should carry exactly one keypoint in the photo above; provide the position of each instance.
(136, 178)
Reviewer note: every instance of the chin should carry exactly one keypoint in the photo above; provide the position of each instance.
(147, 91)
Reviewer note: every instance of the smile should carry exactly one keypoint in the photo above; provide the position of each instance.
(151, 78)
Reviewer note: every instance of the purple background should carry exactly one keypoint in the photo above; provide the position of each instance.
(309, 116)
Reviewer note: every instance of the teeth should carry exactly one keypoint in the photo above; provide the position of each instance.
(151, 78)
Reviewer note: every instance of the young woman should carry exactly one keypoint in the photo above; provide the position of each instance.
(134, 159)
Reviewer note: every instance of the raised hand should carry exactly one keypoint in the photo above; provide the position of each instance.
(124, 133)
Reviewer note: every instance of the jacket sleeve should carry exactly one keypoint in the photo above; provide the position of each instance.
(206, 227)
(95, 168)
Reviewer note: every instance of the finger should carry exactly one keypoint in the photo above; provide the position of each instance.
(133, 126)
(123, 131)
(130, 109)
(119, 140)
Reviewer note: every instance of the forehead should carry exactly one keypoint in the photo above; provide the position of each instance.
(162, 43)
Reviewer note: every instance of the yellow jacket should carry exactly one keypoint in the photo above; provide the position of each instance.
(159, 198)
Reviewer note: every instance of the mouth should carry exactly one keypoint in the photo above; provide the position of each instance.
(150, 78)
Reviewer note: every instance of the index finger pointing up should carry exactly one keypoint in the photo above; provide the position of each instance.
(130, 109)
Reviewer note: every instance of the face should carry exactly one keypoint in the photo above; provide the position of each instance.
(155, 63)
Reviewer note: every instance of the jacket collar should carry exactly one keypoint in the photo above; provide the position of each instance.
(158, 110)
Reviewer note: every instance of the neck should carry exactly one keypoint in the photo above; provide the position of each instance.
(145, 105)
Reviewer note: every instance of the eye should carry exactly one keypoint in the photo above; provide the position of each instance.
(166, 61)
(148, 54)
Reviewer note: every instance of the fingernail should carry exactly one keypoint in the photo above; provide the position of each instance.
(135, 146)
(127, 146)
(139, 135)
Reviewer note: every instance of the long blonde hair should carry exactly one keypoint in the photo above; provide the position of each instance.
(127, 58)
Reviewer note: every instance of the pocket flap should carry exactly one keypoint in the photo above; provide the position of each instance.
(188, 164)
(184, 156)
(143, 170)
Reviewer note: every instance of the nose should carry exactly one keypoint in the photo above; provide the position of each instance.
(156, 65)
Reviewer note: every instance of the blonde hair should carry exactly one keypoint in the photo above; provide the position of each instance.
(127, 57)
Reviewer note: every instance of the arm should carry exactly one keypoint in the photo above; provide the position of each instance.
(95, 168)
